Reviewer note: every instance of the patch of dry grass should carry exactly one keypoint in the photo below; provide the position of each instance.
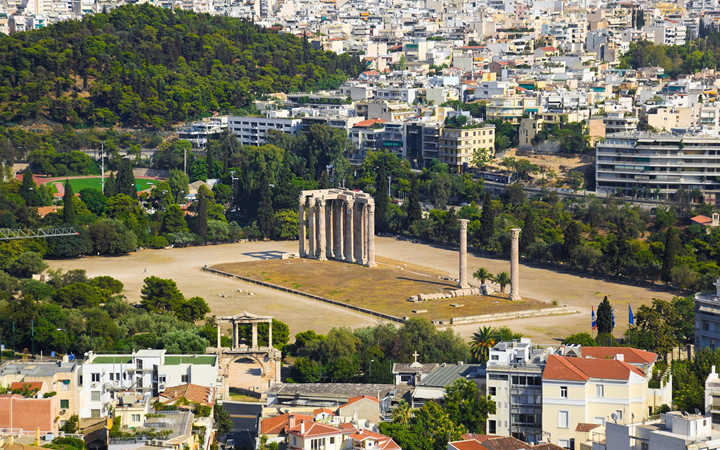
(384, 288)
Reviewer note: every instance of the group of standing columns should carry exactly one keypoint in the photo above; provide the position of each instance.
(337, 224)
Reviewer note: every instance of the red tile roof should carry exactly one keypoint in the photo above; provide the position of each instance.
(582, 369)
(382, 441)
(193, 392)
(279, 424)
(585, 427)
(31, 385)
(315, 429)
(352, 400)
(368, 123)
(630, 355)
(323, 410)
(470, 444)
(702, 220)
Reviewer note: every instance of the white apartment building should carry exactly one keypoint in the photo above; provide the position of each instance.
(402, 94)
(673, 431)
(658, 165)
(252, 130)
(514, 382)
(145, 371)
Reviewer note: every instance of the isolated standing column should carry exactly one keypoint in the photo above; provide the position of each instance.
(515, 264)
(312, 234)
(463, 279)
(339, 215)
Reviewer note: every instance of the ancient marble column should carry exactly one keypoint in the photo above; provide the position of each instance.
(338, 215)
(270, 334)
(463, 279)
(312, 228)
(371, 235)
(515, 264)
(320, 205)
(236, 335)
(359, 234)
(349, 225)
(329, 238)
(219, 347)
(254, 335)
(301, 227)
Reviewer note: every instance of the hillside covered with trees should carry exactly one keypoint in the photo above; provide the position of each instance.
(142, 66)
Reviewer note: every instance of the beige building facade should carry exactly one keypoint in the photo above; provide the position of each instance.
(579, 391)
(458, 145)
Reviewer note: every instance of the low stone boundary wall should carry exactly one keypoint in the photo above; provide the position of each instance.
(305, 294)
(512, 315)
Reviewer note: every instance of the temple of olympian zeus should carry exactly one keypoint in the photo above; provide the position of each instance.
(337, 224)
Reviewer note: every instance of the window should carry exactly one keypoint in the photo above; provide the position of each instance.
(600, 390)
(95, 413)
(563, 391)
(618, 414)
(112, 376)
(492, 390)
(562, 419)
(317, 444)
(95, 396)
(136, 418)
(139, 364)
(705, 325)
(161, 378)
(184, 378)
(492, 427)
(64, 404)
(332, 440)
(95, 377)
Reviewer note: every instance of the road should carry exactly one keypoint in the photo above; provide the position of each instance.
(245, 418)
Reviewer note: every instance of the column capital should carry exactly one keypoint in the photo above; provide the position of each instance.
(515, 233)
(463, 223)
(349, 204)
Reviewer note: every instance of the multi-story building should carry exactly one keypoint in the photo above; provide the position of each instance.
(513, 381)
(252, 130)
(674, 430)
(59, 377)
(578, 391)
(459, 145)
(145, 371)
(620, 122)
(658, 165)
(707, 318)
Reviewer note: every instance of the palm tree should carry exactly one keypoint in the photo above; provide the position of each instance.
(401, 413)
(503, 279)
(482, 340)
(482, 275)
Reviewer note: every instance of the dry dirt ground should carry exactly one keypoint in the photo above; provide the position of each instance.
(183, 265)
(384, 288)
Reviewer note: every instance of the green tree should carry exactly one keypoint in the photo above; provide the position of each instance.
(160, 295)
(201, 219)
(481, 343)
(178, 182)
(466, 406)
(27, 264)
(94, 200)
(192, 309)
(672, 251)
(68, 207)
(435, 426)
(125, 180)
(604, 316)
(482, 274)
(222, 419)
(28, 189)
(487, 220)
(402, 413)
(503, 279)
(265, 211)
(583, 339)
(414, 209)
(382, 201)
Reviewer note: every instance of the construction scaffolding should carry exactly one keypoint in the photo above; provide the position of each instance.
(7, 234)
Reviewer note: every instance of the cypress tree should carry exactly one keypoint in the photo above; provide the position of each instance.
(487, 220)
(572, 238)
(68, 207)
(201, 220)
(414, 211)
(672, 249)
(28, 189)
(529, 230)
(125, 179)
(604, 317)
(265, 213)
(382, 201)
(111, 186)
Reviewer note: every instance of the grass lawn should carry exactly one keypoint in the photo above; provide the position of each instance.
(384, 288)
(78, 184)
